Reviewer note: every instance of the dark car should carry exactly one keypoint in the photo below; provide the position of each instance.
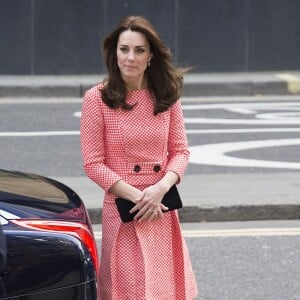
(47, 245)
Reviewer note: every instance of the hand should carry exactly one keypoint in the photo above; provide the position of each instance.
(149, 206)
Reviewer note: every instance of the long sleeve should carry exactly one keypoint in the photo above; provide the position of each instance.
(177, 143)
(93, 142)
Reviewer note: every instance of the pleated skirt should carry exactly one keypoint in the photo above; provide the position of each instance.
(144, 261)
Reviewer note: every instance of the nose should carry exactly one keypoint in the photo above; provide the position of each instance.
(131, 55)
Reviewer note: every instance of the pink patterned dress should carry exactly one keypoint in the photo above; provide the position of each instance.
(147, 260)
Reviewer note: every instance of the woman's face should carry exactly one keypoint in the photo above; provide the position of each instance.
(133, 54)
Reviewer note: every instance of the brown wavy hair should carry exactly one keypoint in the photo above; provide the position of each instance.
(164, 80)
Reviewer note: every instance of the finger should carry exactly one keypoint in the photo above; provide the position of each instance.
(142, 211)
(163, 207)
(145, 216)
(151, 213)
(156, 216)
(135, 208)
(138, 204)
(153, 216)
(160, 214)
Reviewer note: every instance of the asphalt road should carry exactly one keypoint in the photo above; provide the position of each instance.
(226, 135)
(244, 260)
(256, 135)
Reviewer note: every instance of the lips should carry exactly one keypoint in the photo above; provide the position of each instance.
(130, 67)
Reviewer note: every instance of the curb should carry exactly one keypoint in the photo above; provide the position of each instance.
(194, 214)
(190, 89)
(236, 88)
(195, 85)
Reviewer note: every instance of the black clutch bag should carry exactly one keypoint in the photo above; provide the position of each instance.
(171, 200)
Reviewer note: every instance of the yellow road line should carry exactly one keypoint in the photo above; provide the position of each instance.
(293, 82)
(242, 232)
(249, 232)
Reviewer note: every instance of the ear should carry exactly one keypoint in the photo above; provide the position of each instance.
(149, 59)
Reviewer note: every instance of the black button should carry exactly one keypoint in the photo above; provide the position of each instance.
(137, 168)
(156, 168)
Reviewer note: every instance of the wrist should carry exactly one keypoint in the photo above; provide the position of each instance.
(163, 186)
(168, 181)
(127, 191)
(136, 195)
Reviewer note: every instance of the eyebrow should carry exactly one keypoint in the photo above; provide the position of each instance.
(142, 46)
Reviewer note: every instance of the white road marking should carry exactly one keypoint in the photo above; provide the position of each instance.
(37, 133)
(237, 99)
(253, 106)
(278, 113)
(248, 232)
(188, 131)
(241, 108)
(289, 121)
(283, 117)
(238, 130)
(37, 100)
(77, 114)
(243, 111)
(279, 116)
(215, 154)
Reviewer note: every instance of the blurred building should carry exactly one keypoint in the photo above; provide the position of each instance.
(64, 36)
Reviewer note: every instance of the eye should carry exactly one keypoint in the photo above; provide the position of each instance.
(140, 50)
(124, 49)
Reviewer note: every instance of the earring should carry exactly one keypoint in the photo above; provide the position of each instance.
(149, 63)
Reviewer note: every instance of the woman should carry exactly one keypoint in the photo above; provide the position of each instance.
(134, 146)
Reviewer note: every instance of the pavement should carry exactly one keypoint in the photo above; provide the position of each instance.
(218, 197)
(210, 84)
(206, 197)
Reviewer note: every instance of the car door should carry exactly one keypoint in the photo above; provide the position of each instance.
(2, 258)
